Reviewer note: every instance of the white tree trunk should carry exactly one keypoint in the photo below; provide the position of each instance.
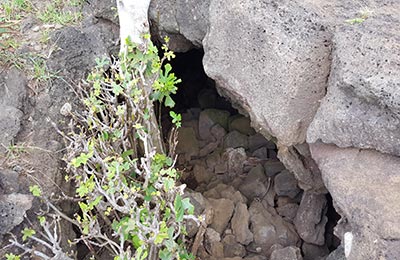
(133, 20)
(134, 23)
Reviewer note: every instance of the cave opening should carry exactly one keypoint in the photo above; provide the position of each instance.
(234, 170)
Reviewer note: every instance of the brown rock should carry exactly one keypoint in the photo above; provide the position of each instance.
(223, 209)
(240, 224)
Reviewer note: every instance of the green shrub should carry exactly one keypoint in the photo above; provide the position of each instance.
(127, 187)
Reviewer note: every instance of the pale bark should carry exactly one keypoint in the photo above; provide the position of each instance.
(134, 23)
(133, 20)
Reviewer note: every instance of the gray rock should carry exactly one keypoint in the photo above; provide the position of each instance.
(314, 252)
(8, 182)
(362, 106)
(236, 159)
(12, 94)
(12, 210)
(210, 117)
(290, 50)
(213, 244)
(188, 19)
(261, 153)
(240, 224)
(287, 253)
(102, 9)
(288, 211)
(310, 220)
(241, 124)
(337, 254)
(202, 174)
(212, 236)
(258, 140)
(273, 167)
(270, 229)
(256, 257)
(233, 248)
(286, 184)
(78, 48)
(253, 185)
(235, 139)
(365, 186)
(187, 143)
(223, 210)
(10, 124)
(12, 88)
(218, 132)
(298, 160)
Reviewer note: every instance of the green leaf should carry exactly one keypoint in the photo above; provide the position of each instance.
(27, 233)
(42, 220)
(35, 190)
(11, 256)
(168, 184)
(169, 102)
(188, 206)
(165, 254)
(178, 207)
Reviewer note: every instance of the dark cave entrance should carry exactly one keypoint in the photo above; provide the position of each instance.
(237, 169)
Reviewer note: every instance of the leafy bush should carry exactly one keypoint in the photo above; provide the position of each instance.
(127, 189)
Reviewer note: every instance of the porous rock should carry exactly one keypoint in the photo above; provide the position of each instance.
(287, 253)
(286, 184)
(210, 117)
(310, 219)
(223, 210)
(269, 229)
(370, 181)
(12, 210)
(240, 224)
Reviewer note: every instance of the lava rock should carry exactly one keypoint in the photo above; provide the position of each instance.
(314, 252)
(12, 210)
(240, 224)
(310, 220)
(269, 229)
(286, 184)
(241, 124)
(223, 210)
(235, 139)
(210, 117)
(272, 167)
(287, 253)
(232, 248)
(187, 143)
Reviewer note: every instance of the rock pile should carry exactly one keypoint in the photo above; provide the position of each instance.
(258, 209)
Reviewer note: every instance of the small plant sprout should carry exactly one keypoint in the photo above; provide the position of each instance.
(364, 14)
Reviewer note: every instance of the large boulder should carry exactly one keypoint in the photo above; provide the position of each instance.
(365, 185)
(186, 22)
(272, 58)
(362, 106)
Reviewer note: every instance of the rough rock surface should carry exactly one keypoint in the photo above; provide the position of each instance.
(240, 224)
(12, 210)
(274, 38)
(362, 106)
(270, 229)
(287, 253)
(286, 184)
(185, 20)
(310, 220)
(365, 185)
(223, 210)
(12, 94)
